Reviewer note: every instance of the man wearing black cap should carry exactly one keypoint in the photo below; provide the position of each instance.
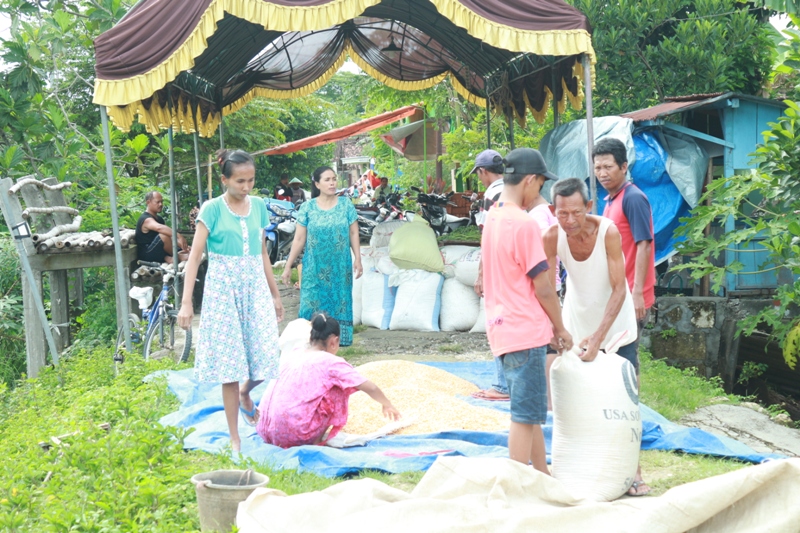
(521, 303)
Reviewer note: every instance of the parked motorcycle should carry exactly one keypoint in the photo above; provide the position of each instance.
(280, 232)
(433, 210)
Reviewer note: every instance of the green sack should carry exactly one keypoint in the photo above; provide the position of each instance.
(414, 245)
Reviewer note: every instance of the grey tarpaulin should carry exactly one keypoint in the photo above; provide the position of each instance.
(564, 148)
(687, 165)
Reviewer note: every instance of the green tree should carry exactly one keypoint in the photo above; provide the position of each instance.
(650, 49)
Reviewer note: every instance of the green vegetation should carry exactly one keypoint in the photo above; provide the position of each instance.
(451, 348)
(668, 333)
(133, 476)
(353, 351)
(466, 234)
(665, 470)
(358, 328)
(674, 392)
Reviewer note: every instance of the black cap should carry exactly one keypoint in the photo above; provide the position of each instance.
(527, 161)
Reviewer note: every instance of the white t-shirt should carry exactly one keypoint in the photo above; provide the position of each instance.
(489, 198)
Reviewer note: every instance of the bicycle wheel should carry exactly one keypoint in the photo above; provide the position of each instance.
(165, 340)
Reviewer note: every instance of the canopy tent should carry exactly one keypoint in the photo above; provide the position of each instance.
(184, 64)
(170, 66)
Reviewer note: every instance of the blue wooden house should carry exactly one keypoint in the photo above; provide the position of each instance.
(728, 126)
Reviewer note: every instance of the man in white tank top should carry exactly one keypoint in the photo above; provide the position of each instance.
(598, 303)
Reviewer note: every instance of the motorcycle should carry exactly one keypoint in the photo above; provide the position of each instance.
(280, 232)
(433, 210)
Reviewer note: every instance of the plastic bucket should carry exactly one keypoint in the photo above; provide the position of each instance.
(219, 494)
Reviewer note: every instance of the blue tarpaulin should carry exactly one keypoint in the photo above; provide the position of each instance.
(201, 409)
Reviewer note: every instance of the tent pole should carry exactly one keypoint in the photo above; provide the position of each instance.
(488, 120)
(511, 130)
(221, 131)
(197, 165)
(555, 100)
(173, 194)
(425, 149)
(119, 267)
(587, 85)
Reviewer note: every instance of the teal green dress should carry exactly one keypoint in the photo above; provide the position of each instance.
(327, 264)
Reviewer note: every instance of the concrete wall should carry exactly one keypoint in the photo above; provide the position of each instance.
(699, 332)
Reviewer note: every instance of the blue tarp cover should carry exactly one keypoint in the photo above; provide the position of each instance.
(201, 409)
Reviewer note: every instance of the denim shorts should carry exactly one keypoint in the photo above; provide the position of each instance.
(527, 387)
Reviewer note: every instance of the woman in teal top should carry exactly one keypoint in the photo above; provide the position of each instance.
(327, 228)
(238, 340)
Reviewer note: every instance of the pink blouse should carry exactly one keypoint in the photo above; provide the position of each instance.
(310, 395)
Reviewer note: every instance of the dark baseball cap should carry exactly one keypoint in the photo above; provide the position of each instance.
(527, 161)
(487, 158)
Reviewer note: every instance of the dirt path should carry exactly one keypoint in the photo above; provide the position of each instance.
(375, 344)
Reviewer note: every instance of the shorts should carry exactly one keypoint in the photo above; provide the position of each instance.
(154, 252)
(631, 351)
(527, 387)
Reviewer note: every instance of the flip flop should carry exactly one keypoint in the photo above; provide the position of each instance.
(635, 488)
(249, 417)
(483, 395)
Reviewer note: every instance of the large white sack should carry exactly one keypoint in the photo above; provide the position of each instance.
(385, 265)
(460, 306)
(597, 428)
(467, 267)
(295, 338)
(418, 300)
(451, 254)
(480, 322)
(383, 233)
(357, 283)
(377, 299)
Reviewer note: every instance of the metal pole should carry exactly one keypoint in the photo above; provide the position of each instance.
(173, 193)
(587, 85)
(221, 130)
(37, 296)
(556, 118)
(488, 118)
(511, 130)
(425, 149)
(112, 197)
(197, 164)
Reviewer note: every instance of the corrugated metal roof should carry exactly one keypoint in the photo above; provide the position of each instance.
(660, 110)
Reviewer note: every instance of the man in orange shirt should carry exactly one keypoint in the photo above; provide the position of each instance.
(521, 303)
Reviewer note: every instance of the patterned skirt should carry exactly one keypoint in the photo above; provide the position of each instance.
(238, 336)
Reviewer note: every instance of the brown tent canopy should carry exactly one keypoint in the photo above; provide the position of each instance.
(185, 65)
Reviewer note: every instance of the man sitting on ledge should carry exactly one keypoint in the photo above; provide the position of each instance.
(153, 238)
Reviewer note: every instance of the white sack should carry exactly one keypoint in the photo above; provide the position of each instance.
(295, 338)
(467, 267)
(377, 299)
(460, 306)
(383, 233)
(357, 284)
(597, 427)
(418, 301)
(480, 322)
(385, 265)
(451, 254)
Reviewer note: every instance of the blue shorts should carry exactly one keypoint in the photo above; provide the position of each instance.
(527, 387)
(631, 351)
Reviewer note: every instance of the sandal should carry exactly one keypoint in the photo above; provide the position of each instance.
(636, 485)
(249, 417)
(490, 395)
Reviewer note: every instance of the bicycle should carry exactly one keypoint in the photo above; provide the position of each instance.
(162, 318)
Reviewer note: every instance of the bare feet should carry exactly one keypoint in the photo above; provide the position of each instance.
(490, 395)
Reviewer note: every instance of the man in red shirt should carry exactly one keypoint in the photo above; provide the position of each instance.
(522, 308)
(628, 207)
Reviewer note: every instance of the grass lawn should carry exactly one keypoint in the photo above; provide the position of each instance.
(134, 476)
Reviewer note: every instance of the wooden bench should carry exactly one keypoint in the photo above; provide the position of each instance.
(60, 250)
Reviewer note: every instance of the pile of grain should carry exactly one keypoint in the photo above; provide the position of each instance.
(423, 392)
